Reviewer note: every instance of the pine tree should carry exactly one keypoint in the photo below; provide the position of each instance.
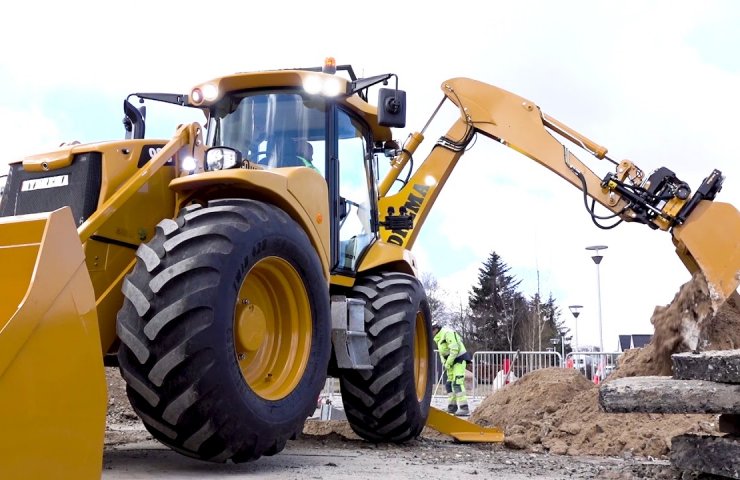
(493, 304)
(553, 326)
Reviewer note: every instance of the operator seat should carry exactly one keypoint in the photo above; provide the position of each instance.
(291, 153)
(299, 153)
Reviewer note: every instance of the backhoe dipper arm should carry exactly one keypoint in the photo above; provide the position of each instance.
(660, 201)
(508, 119)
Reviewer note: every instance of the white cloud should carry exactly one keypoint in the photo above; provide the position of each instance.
(26, 132)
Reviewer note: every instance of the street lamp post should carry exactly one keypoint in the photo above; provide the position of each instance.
(561, 339)
(576, 310)
(597, 260)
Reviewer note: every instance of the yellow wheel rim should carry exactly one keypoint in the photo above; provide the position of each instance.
(421, 356)
(272, 328)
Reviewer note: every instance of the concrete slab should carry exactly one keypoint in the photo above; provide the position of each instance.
(717, 366)
(667, 395)
(707, 454)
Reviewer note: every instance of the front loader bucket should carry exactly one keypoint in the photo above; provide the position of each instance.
(709, 241)
(462, 430)
(52, 380)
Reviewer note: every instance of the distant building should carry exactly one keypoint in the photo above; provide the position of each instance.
(633, 341)
(588, 348)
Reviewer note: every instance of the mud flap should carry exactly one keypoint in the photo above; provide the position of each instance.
(709, 241)
(52, 380)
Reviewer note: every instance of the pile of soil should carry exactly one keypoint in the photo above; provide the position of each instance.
(328, 428)
(557, 410)
(692, 321)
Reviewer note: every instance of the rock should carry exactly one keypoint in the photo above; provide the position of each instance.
(517, 442)
(717, 366)
(666, 395)
(708, 454)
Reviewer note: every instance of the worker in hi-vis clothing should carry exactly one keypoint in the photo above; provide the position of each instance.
(454, 357)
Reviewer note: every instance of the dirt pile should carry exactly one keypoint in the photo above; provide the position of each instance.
(328, 428)
(689, 322)
(557, 410)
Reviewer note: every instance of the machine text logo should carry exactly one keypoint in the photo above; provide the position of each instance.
(413, 204)
(46, 182)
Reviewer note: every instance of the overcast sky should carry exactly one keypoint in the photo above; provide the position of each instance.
(655, 82)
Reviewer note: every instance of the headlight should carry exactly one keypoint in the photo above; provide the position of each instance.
(325, 85)
(312, 84)
(208, 93)
(221, 158)
(332, 87)
(188, 164)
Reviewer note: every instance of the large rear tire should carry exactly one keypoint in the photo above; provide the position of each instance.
(391, 402)
(225, 331)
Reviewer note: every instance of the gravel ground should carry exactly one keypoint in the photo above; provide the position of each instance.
(131, 454)
(330, 450)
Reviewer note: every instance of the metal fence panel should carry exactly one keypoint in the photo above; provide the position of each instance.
(595, 366)
(494, 370)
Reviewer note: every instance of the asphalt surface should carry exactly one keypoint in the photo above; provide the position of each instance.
(333, 457)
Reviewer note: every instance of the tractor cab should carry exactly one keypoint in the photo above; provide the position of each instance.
(307, 119)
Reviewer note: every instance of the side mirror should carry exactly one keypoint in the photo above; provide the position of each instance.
(133, 121)
(391, 108)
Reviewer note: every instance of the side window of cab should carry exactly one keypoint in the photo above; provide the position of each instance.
(356, 207)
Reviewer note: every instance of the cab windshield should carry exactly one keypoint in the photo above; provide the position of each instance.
(287, 128)
(273, 129)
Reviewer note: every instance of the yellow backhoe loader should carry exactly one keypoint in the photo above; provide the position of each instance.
(227, 270)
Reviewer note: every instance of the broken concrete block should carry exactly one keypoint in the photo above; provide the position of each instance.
(716, 366)
(667, 395)
(708, 454)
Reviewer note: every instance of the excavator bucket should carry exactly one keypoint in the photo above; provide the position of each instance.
(52, 380)
(709, 241)
(462, 430)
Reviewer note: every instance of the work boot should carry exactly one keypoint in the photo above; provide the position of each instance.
(451, 409)
(463, 412)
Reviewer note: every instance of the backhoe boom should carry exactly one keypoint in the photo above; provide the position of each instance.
(661, 201)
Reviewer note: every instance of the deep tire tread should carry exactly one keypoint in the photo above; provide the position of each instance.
(167, 325)
(382, 405)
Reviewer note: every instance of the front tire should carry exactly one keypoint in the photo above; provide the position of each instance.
(391, 402)
(225, 331)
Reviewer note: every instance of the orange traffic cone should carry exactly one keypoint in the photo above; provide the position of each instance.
(599, 372)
